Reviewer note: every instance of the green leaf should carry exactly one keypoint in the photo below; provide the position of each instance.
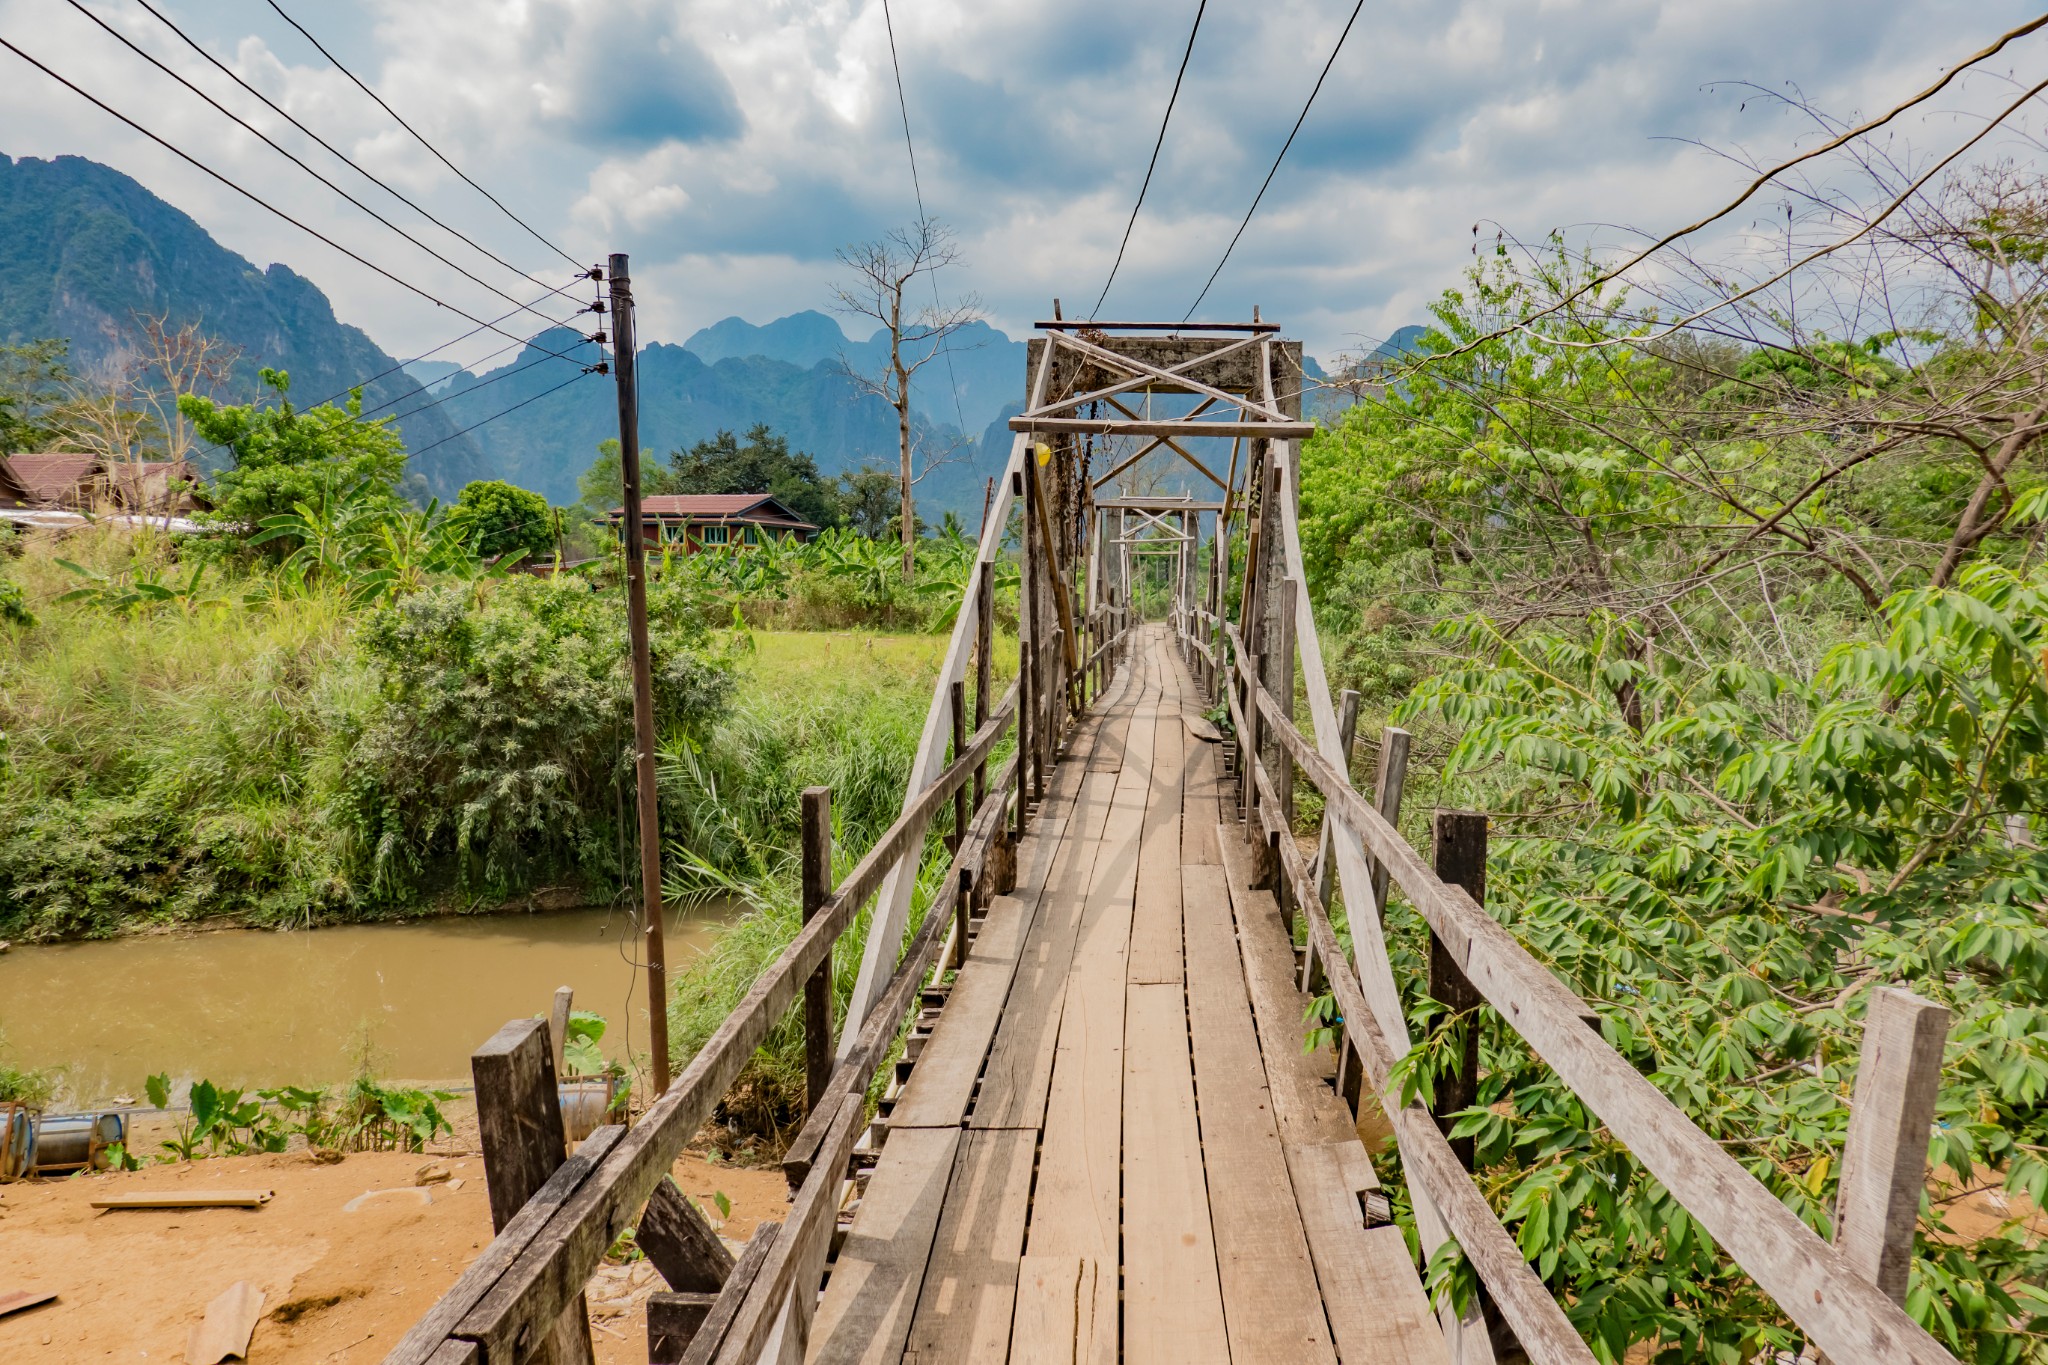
(158, 1088)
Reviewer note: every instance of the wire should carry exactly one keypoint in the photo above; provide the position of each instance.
(480, 384)
(336, 152)
(128, 43)
(336, 62)
(1151, 165)
(496, 415)
(1276, 162)
(933, 274)
(423, 355)
(250, 195)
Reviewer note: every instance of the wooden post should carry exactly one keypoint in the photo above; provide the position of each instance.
(519, 1120)
(626, 373)
(558, 1025)
(1461, 861)
(1386, 799)
(1279, 662)
(1347, 739)
(1248, 742)
(1884, 1161)
(817, 887)
(984, 663)
(959, 835)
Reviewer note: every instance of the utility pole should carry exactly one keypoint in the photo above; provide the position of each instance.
(626, 374)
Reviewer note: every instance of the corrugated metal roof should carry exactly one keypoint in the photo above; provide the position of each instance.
(53, 477)
(761, 506)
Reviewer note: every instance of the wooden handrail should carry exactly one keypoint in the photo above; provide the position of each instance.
(1844, 1315)
(501, 1304)
(1426, 1156)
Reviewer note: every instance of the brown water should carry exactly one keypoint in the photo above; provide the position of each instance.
(252, 1008)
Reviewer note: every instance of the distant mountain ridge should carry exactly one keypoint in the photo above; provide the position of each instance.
(85, 252)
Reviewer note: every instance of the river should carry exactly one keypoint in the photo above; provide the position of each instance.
(253, 1008)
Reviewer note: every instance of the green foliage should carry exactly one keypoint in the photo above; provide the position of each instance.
(14, 606)
(369, 1116)
(505, 730)
(285, 459)
(23, 1085)
(505, 520)
(32, 380)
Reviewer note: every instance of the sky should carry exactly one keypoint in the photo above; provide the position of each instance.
(733, 146)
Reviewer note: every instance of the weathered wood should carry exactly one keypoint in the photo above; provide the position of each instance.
(681, 1244)
(1460, 861)
(1156, 951)
(958, 837)
(793, 1265)
(865, 1316)
(1347, 740)
(1173, 1300)
(1884, 1160)
(225, 1330)
(674, 1320)
(519, 1123)
(970, 1287)
(816, 839)
(1105, 426)
(1814, 1284)
(1059, 1319)
(519, 1114)
(1272, 1310)
(458, 1353)
(1389, 782)
(711, 1335)
(942, 1083)
(558, 1025)
(419, 1345)
(1378, 1311)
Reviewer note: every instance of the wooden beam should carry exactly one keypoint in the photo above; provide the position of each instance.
(681, 1244)
(1156, 505)
(1884, 1161)
(1178, 374)
(1103, 426)
(1059, 326)
(1144, 376)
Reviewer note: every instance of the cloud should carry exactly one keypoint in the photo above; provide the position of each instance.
(733, 145)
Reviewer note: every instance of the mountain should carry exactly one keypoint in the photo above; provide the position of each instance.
(86, 252)
(554, 419)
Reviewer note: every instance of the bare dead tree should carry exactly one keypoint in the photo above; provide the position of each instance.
(880, 273)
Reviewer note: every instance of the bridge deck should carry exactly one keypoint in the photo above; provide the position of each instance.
(1113, 1145)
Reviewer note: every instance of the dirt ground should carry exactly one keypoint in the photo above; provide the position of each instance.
(340, 1285)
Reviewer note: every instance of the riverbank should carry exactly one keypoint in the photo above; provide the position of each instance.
(342, 1276)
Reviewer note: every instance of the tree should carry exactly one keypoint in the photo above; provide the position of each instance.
(763, 464)
(284, 457)
(880, 272)
(868, 501)
(32, 381)
(505, 519)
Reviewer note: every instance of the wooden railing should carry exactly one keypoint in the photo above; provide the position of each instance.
(521, 1300)
(1844, 1296)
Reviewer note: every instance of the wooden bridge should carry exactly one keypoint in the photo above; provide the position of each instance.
(1102, 1137)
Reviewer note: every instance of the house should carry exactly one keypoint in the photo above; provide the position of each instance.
(12, 494)
(689, 522)
(74, 482)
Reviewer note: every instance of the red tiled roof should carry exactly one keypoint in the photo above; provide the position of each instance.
(53, 477)
(760, 507)
(12, 493)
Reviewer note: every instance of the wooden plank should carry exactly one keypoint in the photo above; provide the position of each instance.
(19, 1299)
(1076, 1210)
(1370, 1290)
(1304, 1102)
(1020, 1062)
(1173, 1302)
(1884, 1159)
(458, 1353)
(1059, 1319)
(1201, 807)
(1271, 1307)
(865, 1316)
(679, 1241)
(942, 1082)
(969, 1294)
(744, 1272)
(674, 1320)
(186, 1199)
(1155, 923)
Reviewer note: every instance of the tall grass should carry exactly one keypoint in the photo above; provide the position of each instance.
(814, 710)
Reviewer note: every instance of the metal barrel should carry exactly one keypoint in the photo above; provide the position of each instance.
(73, 1142)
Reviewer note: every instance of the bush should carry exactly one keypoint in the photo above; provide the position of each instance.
(505, 519)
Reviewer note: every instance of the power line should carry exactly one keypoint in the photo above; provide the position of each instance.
(125, 41)
(496, 415)
(464, 393)
(1276, 162)
(250, 195)
(423, 355)
(1171, 100)
(917, 189)
(336, 62)
(336, 152)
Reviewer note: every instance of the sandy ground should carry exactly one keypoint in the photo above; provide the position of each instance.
(339, 1286)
